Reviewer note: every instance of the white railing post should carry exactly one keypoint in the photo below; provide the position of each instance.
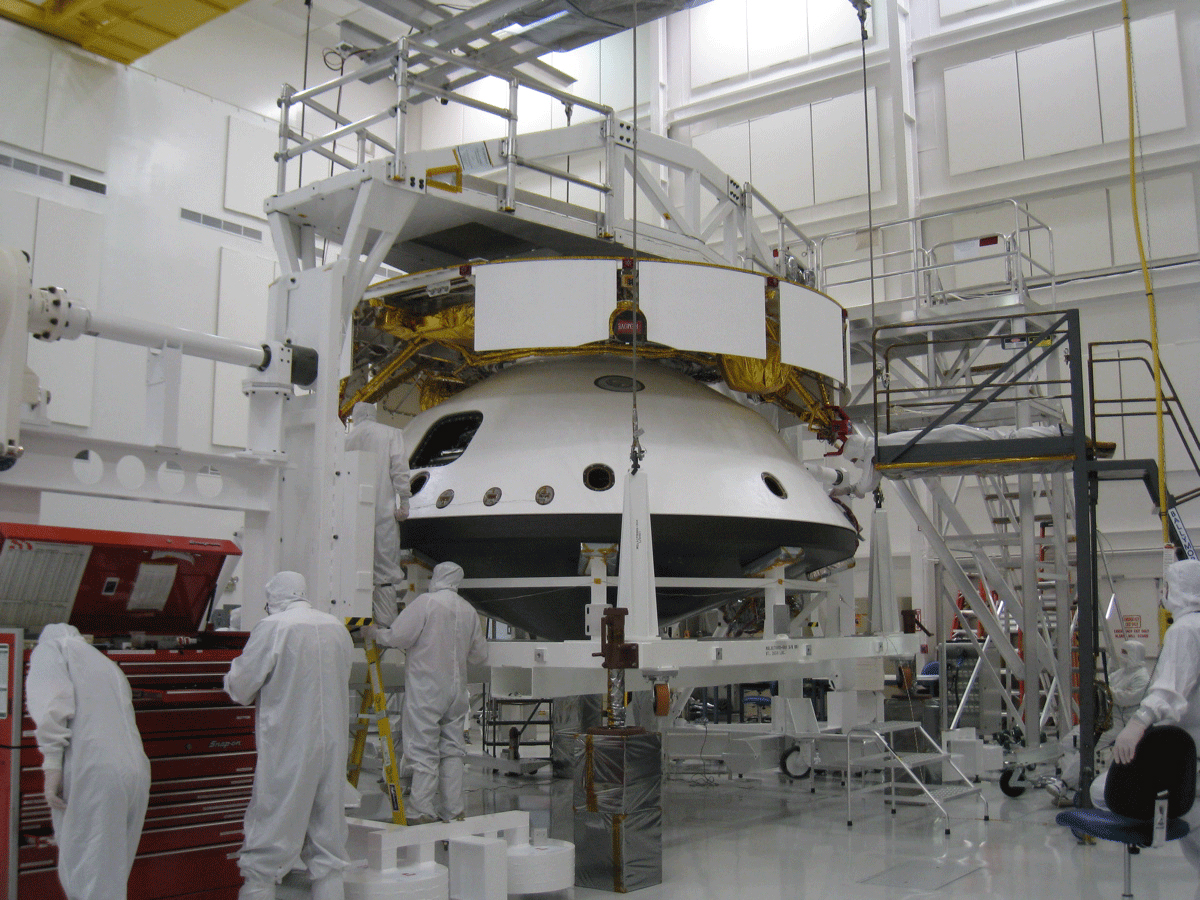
(285, 110)
(510, 180)
(402, 91)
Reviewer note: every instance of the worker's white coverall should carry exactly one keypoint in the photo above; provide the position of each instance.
(83, 709)
(1129, 682)
(392, 493)
(441, 634)
(296, 668)
(1173, 697)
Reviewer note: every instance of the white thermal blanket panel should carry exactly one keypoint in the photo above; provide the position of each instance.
(810, 332)
(543, 303)
(704, 308)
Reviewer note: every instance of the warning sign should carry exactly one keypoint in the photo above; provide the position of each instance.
(1133, 629)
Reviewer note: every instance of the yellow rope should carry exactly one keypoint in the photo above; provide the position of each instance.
(1137, 229)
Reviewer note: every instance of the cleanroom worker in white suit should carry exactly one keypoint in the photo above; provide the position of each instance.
(296, 668)
(440, 633)
(392, 493)
(1173, 697)
(96, 775)
(1129, 682)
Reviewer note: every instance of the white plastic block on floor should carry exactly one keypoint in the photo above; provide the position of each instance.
(478, 868)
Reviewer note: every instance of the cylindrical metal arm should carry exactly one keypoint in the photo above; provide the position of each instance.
(53, 317)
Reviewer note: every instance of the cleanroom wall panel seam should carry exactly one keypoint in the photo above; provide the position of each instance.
(1158, 76)
(67, 252)
(781, 157)
(1170, 230)
(242, 315)
(1060, 100)
(250, 168)
(544, 303)
(840, 147)
(776, 32)
(983, 114)
(704, 308)
(23, 99)
(810, 332)
(19, 222)
(834, 25)
(727, 148)
(81, 109)
(718, 44)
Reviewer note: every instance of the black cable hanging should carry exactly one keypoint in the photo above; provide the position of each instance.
(636, 451)
(861, 6)
(308, 4)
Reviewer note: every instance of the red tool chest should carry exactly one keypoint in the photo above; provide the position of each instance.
(200, 744)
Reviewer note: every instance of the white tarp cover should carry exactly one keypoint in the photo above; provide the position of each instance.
(961, 433)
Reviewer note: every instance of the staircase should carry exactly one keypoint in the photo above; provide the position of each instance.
(873, 748)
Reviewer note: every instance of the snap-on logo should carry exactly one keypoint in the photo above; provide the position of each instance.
(223, 745)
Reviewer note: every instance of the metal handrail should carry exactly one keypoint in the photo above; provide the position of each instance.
(1171, 402)
(407, 62)
(1018, 251)
(1046, 340)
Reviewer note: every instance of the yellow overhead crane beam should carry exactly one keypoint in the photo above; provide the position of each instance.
(121, 30)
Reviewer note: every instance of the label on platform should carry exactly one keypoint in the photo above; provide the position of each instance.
(787, 648)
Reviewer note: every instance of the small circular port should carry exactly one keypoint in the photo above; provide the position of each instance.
(774, 486)
(598, 477)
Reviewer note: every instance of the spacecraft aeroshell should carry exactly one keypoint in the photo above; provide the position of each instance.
(724, 488)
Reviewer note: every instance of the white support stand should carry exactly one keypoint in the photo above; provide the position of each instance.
(478, 868)
(164, 372)
(490, 858)
(777, 619)
(636, 591)
(881, 590)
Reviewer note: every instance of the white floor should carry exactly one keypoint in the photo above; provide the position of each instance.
(760, 838)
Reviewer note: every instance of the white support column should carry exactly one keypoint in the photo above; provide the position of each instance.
(15, 298)
(636, 590)
(881, 590)
(775, 611)
(904, 108)
(164, 370)
(313, 441)
(1031, 601)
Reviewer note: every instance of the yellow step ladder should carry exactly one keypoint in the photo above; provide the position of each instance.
(374, 708)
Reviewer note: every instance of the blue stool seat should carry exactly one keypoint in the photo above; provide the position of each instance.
(1108, 826)
(1159, 784)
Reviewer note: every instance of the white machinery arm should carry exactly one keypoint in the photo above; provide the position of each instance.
(857, 479)
(15, 295)
(50, 315)
(53, 317)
